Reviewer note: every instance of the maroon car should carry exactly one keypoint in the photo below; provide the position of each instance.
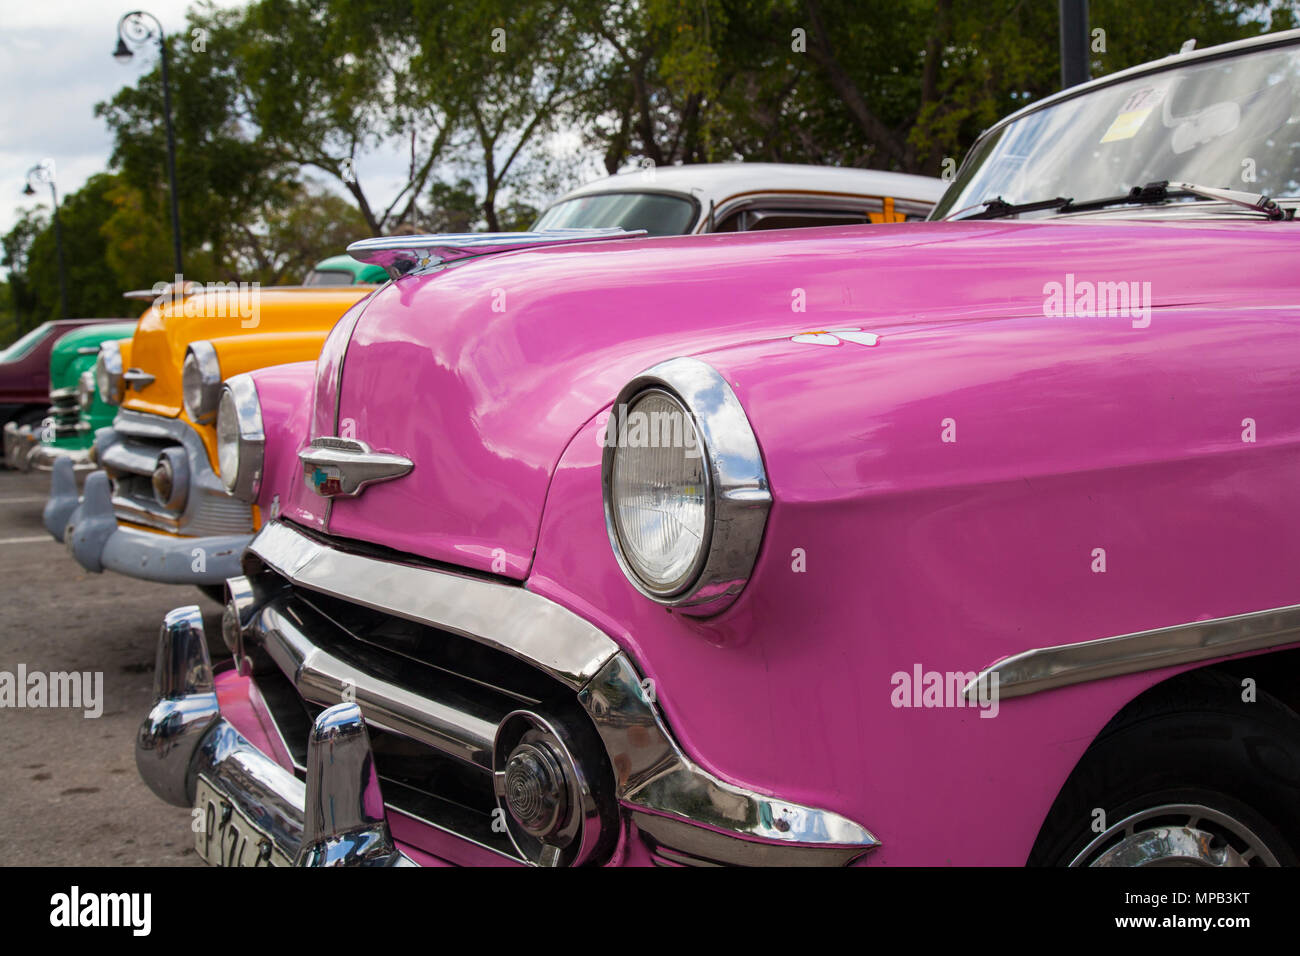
(25, 372)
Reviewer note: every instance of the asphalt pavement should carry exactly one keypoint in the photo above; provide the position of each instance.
(69, 791)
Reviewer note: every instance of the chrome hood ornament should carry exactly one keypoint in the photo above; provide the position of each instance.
(402, 254)
(335, 467)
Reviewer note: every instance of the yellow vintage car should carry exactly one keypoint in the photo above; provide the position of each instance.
(156, 508)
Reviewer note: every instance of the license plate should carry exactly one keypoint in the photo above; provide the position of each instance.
(227, 837)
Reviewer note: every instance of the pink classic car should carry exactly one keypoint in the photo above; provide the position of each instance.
(961, 542)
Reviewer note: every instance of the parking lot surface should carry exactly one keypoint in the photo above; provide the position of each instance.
(69, 790)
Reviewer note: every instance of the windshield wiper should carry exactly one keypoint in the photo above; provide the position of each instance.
(999, 207)
(1149, 194)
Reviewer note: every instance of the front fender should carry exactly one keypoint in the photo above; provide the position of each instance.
(285, 394)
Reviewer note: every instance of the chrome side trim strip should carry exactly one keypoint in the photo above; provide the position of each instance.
(506, 617)
(1046, 668)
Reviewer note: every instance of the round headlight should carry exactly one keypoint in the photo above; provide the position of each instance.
(658, 492)
(201, 383)
(109, 380)
(86, 390)
(241, 442)
(685, 492)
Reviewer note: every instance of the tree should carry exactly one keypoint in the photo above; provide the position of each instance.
(291, 238)
(453, 207)
(329, 79)
(512, 72)
(17, 245)
(31, 254)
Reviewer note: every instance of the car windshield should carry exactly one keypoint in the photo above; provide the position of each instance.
(328, 277)
(24, 345)
(657, 213)
(1229, 122)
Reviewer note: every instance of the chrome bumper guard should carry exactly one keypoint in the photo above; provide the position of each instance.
(87, 525)
(609, 740)
(336, 818)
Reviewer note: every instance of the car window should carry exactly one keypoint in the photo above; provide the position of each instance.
(328, 277)
(751, 220)
(657, 213)
(24, 344)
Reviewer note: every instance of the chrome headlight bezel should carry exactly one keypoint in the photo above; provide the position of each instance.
(201, 383)
(738, 496)
(86, 390)
(244, 435)
(110, 378)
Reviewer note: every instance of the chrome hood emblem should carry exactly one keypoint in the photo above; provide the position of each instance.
(335, 467)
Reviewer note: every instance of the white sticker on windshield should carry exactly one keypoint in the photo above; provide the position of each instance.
(1134, 113)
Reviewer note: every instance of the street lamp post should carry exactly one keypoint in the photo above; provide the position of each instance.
(1075, 67)
(43, 173)
(135, 27)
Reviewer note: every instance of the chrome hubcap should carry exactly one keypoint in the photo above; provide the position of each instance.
(1177, 834)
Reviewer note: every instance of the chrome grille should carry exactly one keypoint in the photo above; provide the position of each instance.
(129, 456)
(305, 647)
(64, 411)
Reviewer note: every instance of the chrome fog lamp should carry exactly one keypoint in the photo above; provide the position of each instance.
(109, 378)
(535, 790)
(553, 780)
(171, 479)
(201, 383)
(86, 390)
(686, 496)
(241, 442)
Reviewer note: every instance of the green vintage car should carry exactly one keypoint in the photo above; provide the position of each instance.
(76, 410)
(344, 270)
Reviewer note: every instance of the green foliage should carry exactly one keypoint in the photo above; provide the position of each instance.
(453, 207)
(31, 255)
(16, 245)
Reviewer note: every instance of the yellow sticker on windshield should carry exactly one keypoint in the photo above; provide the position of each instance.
(1126, 125)
(1133, 114)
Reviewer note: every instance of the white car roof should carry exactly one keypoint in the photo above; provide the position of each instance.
(718, 182)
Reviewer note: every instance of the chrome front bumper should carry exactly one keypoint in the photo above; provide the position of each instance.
(88, 528)
(336, 818)
(199, 543)
(19, 444)
(334, 627)
(44, 456)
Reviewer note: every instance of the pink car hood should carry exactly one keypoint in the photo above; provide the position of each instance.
(481, 374)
